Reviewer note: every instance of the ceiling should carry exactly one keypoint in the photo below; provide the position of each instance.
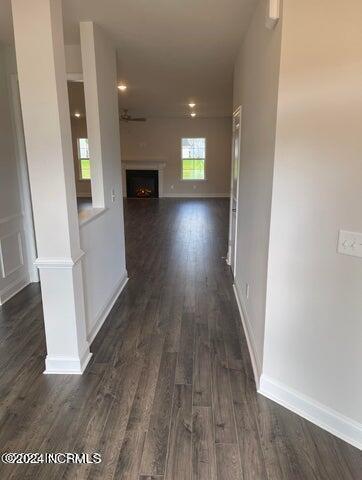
(170, 52)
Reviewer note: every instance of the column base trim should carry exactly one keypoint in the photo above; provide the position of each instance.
(66, 365)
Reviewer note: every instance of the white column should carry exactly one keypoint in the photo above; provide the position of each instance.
(39, 42)
(92, 103)
(101, 102)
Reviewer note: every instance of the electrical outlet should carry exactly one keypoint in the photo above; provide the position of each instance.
(247, 290)
(172, 187)
(113, 195)
(194, 187)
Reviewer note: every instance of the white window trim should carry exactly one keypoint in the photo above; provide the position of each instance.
(205, 169)
(79, 163)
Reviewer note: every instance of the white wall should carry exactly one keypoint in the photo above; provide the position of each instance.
(301, 144)
(73, 60)
(14, 272)
(313, 340)
(256, 89)
(104, 266)
(160, 139)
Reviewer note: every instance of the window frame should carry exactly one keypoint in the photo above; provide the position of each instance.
(80, 178)
(205, 171)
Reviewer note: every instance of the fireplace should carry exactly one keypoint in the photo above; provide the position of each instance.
(142, 183)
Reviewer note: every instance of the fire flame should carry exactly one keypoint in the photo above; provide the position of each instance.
(143, 192)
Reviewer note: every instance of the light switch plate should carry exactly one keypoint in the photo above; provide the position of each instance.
(350, 243)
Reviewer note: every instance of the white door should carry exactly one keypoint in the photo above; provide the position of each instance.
(235, 161)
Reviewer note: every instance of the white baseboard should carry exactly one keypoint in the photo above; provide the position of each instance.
(13, 288)
(67, 365)
(339, 425)
(103, 314)
(196, 195)
(255, 360)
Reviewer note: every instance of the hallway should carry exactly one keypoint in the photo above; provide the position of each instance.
(169, 393)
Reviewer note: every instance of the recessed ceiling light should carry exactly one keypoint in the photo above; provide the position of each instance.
(77, 114)
(192, 105)
(193, 114)
(122, 87)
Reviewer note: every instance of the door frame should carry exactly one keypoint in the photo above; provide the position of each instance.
(23, 178)
(236, 117)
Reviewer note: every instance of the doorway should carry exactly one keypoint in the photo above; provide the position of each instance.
(234, 190)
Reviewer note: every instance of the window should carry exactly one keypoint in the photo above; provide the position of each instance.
(193, 158)
(83, 155)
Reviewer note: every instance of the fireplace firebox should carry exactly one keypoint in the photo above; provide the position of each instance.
(142, 183)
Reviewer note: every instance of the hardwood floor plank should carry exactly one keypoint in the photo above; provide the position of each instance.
(102, 422)
(179, 449)
(156, 443)
(299, 440)
(224, 423)
(185, 357)
(173, 328)
(352, 456)
(202, 367)
(228, 463)
(232, 342)
(217, 344)
(251, 453)
(17, 429)
(50, 419)
(201, 296)
(131, 454)
(142, 404)
(151, 477)
(278, 462)
(203, 445)
(324, 445)
(150, 315)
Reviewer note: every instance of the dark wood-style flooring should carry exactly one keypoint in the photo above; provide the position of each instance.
(169, 394)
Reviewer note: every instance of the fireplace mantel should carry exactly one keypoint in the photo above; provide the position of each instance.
(142, 164)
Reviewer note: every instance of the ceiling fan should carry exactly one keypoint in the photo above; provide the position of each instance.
(128, 118)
